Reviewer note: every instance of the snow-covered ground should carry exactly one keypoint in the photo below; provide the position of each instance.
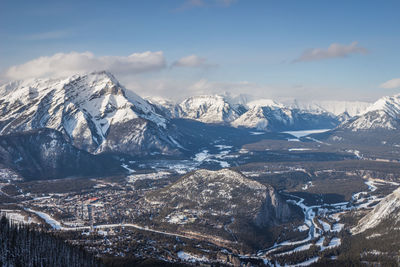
(206, 156)
(16, 216)
(48, 219)
(153, 176)
(299, 149)
(190, 257)
(126, 167)
(303, 133)
(332, 212)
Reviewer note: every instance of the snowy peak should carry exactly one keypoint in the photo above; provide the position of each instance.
(262, 114)
(209, 109)
(264, 103)
(83, 107)
(253, 118)
(388, 104)
(352, 108)
(383, 114)
(276, 117)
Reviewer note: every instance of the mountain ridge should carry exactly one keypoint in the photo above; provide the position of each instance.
(88, 109)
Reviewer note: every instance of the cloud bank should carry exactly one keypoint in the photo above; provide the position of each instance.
(391, 84)
(335, 50)
(65, 64)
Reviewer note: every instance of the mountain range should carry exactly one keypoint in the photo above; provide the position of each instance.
(261, 114)
(96, 114)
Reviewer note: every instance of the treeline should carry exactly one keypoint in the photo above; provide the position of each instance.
(24, 245)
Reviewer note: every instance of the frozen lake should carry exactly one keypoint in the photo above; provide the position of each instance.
(302, 133)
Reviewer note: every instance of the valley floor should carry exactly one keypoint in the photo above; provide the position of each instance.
(109, 216)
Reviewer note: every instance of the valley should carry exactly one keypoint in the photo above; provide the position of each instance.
(204, 181)
(112, 216)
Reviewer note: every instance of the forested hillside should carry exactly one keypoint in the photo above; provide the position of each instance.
(22, 245)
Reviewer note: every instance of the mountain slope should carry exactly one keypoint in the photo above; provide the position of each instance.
(45, 154)
(387, 209)
(261, 114)
(26, 245)
(223, 205)
(226, 190)
(280, 118)
(93, 111)
(383, 114)
(209, 109)
(353, 108)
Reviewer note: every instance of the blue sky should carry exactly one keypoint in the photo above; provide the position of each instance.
(279, 49)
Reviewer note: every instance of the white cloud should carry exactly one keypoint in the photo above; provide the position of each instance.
(391, 84)
(65, 64)
(333, 51)
(192, 61)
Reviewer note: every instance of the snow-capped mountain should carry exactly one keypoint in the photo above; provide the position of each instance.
(387, 209)
(94, 111)
(261, 114)
(209, 109)
(272, 116)
(352, 108)
(383, 114)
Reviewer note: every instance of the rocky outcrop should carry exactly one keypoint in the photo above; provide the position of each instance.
(227, 193)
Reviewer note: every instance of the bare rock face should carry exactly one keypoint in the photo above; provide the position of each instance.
(274, 210)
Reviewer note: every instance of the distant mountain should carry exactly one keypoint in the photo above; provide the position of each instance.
(93, 111)
(209, 109)
(280, 118)
(376, 127)
(352, 108)
(261, 114)
(45, 154)
(383, 114)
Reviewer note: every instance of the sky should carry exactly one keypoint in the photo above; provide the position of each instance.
(303, 49)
